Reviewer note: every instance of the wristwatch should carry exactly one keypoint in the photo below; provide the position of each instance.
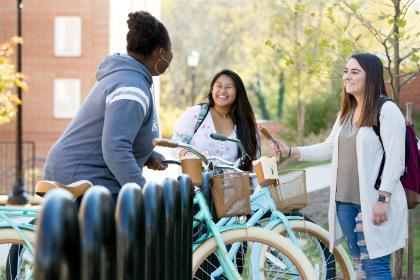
(383, 198)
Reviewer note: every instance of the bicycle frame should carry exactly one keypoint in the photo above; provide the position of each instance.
(222, 254)
(262, 203)
(225, 258)
(7, 214)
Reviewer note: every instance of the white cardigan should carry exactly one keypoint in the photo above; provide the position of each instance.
(388, 237)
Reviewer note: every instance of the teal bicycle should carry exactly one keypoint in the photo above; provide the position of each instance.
(239, 251)
(310, 237)
(18, 232)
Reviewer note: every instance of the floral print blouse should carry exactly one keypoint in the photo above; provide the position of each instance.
(201, 140)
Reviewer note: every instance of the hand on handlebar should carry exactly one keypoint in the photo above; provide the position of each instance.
(155, 163)
(279, 148)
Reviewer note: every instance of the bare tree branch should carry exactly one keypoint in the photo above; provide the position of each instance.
(388, 67)
(409, 78)
(409, 54)
(408, 73)
(406, 6)
(375, 32)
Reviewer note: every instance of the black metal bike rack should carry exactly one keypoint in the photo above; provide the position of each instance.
(97, 228)
(186, 193)
(129, 216)
(153, 219)
(149, 237)
(172, 229)
(58, 239)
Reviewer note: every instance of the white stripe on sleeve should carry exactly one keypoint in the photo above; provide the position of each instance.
(129, 93)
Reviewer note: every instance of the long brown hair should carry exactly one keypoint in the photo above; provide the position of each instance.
(375, 87)
(242, 116)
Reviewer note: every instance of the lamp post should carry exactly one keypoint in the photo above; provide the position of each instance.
(192, 62)
(18, 195)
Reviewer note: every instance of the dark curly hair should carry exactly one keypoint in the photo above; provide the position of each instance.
(145, 33)
(242, 115)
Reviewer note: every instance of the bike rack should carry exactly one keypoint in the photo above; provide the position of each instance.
(130, 231)
(172, 229)
(150, 236)
(58, 241)
(153, 218)
(186, 193)
(97, 228)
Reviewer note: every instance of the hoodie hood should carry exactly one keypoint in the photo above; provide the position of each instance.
(121, 62)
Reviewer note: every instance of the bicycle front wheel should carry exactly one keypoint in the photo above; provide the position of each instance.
(16, 259)
(314, 242)
(257, 254)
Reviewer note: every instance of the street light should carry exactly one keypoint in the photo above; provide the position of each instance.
(192, 62)
(18, 195)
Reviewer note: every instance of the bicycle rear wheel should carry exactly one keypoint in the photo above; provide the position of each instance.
(260, 254)
(16, 259)
(314, 242)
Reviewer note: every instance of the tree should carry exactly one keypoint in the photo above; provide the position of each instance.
(8, 80)
(398, 38)
(257, 89)
(226, 35)
(300, 40)
(280, 101)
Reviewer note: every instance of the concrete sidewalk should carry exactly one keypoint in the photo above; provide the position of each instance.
(318, 177)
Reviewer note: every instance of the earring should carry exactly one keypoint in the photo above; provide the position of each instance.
(157, 62)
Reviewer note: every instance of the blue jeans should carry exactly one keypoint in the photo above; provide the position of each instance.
(375, 269)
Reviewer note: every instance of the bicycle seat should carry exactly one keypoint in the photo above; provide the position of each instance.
(77, 188)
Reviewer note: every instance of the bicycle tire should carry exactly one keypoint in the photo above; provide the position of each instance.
(17, 258)
(289, 252)
(343, 268)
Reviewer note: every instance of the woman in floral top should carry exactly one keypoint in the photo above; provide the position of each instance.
(227, 112)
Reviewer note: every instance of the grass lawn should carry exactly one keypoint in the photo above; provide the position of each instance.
(305, 164)
(416, 246)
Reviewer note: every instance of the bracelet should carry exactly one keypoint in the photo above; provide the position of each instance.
(290, 151)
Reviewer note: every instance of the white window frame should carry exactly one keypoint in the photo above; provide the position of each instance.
(70, 26)
(73, 92)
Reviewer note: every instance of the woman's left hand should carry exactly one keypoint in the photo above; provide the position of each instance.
(380, 213)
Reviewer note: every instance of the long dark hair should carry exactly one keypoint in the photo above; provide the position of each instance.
(375, 87)
(145, 33)
(242, 116)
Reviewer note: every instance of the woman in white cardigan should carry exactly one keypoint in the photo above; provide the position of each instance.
(373, 222)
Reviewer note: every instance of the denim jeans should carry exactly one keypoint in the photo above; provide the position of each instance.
(375, 269)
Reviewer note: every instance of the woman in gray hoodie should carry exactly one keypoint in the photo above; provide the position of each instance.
(109, 141)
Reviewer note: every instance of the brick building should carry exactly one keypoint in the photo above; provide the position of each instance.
(64, 41)
(411, 93)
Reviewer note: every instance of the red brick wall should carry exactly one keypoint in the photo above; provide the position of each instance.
(274, 128)
(42, 67)
(411, 93)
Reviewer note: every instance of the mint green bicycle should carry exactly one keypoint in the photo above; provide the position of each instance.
(239, 251)
(17, 228)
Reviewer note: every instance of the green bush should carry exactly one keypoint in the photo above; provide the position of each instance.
(320, 113)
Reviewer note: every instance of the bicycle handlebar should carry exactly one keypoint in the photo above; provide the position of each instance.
(221, 137)
(174, 144)
(264, 131)
(164, 143)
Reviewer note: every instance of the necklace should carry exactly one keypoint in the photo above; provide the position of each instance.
(220, 114)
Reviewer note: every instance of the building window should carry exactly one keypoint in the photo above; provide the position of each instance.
(67, 36)
(66, 98)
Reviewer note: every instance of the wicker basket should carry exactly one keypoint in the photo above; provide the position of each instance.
(231, 192)
(290, 193)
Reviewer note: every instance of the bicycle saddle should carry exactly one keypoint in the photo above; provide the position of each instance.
(77, 188)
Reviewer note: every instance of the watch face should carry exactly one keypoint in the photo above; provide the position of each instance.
(381, 198)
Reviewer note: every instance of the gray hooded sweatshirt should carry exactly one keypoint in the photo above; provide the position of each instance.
(110, 138)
